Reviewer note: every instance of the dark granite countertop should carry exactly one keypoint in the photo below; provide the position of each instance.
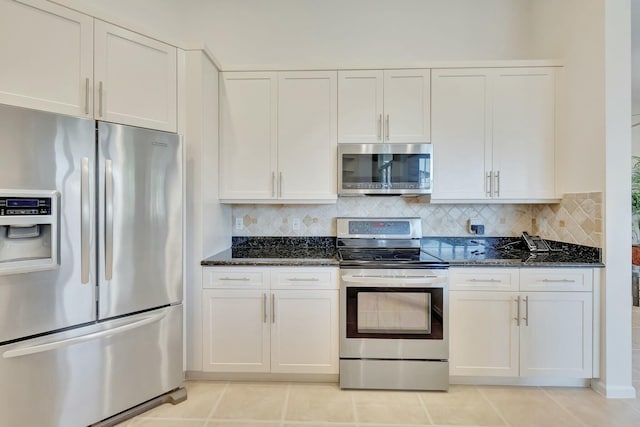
(277, 251)
(509, 252)
(458, 251)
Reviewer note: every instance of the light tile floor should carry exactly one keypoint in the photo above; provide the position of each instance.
(244, 404)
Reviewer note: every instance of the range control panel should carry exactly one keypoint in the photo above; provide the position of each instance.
(20, 206)
(380, 227)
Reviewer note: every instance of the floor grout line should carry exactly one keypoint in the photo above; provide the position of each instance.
(354, 408)
(218, 400)
(285, 405)
(493, 406)
(550, 396)
(426, 410)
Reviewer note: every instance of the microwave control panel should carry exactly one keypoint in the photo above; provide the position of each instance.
(21, 206)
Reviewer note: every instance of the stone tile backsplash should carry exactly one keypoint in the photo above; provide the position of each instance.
(577, 219)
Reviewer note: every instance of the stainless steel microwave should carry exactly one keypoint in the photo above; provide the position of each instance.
(384, 169)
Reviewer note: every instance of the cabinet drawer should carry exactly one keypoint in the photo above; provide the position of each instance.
(484, 279)
(556, 279)
(300, 278)
(235, 278)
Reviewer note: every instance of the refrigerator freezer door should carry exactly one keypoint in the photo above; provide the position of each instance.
(140, 219)
(48, 153)
(79, 377)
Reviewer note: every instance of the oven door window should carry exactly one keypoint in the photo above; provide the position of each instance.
(408, 313)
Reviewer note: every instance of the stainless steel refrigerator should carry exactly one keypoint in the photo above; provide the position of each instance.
(90, 268)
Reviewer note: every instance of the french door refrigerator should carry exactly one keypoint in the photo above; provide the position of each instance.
(90, 268)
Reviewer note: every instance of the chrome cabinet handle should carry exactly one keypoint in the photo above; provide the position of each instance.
(100, 99)
(273, 308)
(557, 281)
(86, 95)
(387, 127)
(280, 185)
(497, 177)
(273, 184)
(236, 279)
(485, 280)
(526, 310)
(517, 300)
(85, 220)
(487, 184)
(380, 126)
(297, 279)
(264, 308)
(108, 219)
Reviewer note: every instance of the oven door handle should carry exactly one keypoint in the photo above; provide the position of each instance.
(393, 280)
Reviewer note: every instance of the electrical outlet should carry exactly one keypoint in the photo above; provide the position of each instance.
(475, 226)
(295, 224)
(239, 224)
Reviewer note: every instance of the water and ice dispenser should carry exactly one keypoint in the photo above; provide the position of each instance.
(29, 232)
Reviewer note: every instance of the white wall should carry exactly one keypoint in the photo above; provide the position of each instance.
(594, 39)
(332, 33)
(574, 31)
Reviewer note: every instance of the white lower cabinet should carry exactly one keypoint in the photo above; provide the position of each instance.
(279, 320)
(545, 334)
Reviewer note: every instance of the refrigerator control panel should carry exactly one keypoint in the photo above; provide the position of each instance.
(19, 206)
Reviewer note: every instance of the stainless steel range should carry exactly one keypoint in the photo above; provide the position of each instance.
(394, 307)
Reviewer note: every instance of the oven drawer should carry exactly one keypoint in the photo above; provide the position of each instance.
(235, 278)
(484, 279)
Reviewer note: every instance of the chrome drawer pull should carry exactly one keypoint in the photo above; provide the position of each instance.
(296, 279)
(236, 279)
(517, 300)
(485, 281)
(557, 281)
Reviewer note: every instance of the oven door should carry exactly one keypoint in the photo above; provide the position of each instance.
(394, 314)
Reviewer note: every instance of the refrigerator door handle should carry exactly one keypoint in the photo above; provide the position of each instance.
(55, 345)
(85, 220)
(108, 219)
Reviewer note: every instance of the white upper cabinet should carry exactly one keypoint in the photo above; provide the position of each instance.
(135, 79)
(248, 135)
(384, 106)
(47, 51)
(461, 131)
(307, 126)
(52, 52)
(524, 133)
(278, 137)
(493, 134)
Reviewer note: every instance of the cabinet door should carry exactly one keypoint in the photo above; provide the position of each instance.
(307, 122)
(406, 105)
(360, 98)
(236, 331)
(484, 333)
(556, 335)
(48, 57)
(248, 135)
(524, 133)
(461, 133)
(304, 332)
(135, 79)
